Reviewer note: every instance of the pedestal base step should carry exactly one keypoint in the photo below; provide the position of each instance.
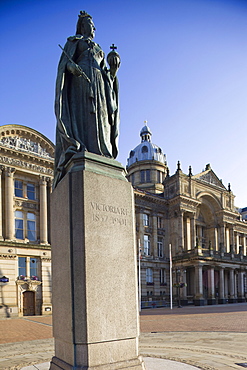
(135, 364)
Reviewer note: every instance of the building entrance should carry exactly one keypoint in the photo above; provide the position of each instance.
(28, 303)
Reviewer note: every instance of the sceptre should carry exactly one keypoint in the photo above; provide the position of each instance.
(83, 74)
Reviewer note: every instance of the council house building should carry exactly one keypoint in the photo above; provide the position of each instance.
(26, 173)
(194, 214)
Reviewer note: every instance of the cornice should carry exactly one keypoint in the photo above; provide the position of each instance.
(150, 197)
(11, 244)
(27, 162)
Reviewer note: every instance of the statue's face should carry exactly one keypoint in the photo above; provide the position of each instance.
(89, 29)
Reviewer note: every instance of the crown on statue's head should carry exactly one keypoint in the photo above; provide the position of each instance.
(84, 14)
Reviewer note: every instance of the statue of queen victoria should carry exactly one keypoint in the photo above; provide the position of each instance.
(86, 103)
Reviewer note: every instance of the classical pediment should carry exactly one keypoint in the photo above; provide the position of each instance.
(24, 139)
(210, 177)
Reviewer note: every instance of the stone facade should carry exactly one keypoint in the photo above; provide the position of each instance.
(195, 214)
(26, 173)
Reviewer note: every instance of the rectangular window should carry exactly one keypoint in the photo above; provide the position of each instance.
(33, 267)
(162, 276)
(145, 176)
(159, 222)
(146, 245)
(18, 189)
(145, 219)
(160, 247)
(31, 191)
(31, 226)
(149, 275)
(19, 225)
(148, 176)
(22, 266)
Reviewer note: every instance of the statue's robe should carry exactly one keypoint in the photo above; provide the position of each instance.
(87, 113)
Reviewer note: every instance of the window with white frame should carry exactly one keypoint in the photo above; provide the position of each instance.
(28, 266)
(25, 225)
(22, 268)
(18, 188)
(31, 226)
(31, 191)
(149, 275)
(147, 245)
(145, 219)
(160, 246)
(34, 267)
(19, 225)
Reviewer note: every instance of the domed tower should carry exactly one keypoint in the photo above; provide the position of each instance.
(147, 165)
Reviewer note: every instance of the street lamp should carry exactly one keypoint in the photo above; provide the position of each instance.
(4, 279)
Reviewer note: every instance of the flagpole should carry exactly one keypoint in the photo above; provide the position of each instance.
(139, 276)
(170, 257)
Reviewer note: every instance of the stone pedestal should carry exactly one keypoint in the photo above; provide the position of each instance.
(95, 310)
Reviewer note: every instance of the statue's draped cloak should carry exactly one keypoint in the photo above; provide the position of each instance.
(87, 113)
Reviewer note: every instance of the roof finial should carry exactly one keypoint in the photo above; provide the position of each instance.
(190, 171)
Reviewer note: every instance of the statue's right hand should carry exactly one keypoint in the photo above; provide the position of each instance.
(74, 68)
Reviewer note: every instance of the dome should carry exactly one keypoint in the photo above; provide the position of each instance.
(146, 150)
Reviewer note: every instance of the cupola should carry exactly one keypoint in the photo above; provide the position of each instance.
(146, 164)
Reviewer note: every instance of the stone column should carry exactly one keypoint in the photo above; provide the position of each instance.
(43, 211)
(1, 206)
(156, 280)
(223, 238)
(216, 238)
(184, 300)
(198, 299)
(232, 241)
(232, 298)
(188, 234)
(211, 288)
(237, 242)
(241, 286)
(141, 228)
(222, 299)
(226, 285)
(193, 231)
(9, 203)
(154, 245)
(244, 245)
(181, 232)
(227, 240)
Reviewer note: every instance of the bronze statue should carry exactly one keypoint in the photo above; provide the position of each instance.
(86, 103)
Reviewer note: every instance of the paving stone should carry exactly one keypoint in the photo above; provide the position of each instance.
(210, 338)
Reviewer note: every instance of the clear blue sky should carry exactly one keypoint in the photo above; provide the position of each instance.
(184, 70)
